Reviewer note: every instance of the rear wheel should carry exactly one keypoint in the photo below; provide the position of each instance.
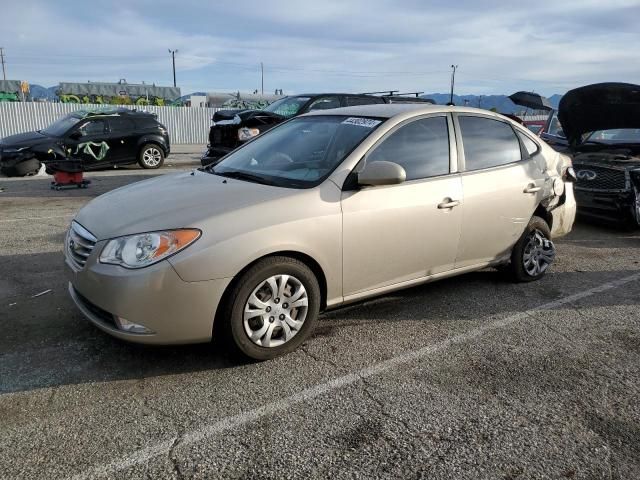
(151, 156)
(272, 308)
(534, 252)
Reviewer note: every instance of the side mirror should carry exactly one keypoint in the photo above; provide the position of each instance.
(381, 173)
(75, 136)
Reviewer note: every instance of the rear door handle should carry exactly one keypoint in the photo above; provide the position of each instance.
(532, 189)
(448, 203)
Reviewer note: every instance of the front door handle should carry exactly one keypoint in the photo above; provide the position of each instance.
(532, 189)
(448, 203)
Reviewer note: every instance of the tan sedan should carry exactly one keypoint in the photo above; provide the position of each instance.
(328, 208)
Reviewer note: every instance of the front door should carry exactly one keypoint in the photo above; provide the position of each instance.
(122, 139)
(503, 184)
(398, 233)
(88, 143)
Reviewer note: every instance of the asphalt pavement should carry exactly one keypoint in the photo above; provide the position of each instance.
(470, 377)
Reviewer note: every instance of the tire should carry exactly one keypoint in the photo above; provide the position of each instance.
(534, 252)
(151, 156)
(252, 293)
(27, 167)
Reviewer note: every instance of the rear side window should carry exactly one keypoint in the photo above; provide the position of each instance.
(530, 146)
(146, 122)
(488, 143)
(121, 124)
(325, 103)
(421, 148)
(352, 101)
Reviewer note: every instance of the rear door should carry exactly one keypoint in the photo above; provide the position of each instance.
(122, 139)
(503, 184)
(398, 233)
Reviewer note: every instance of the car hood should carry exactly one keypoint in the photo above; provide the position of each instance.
(172, 201)
(26, 139)
(601, 106)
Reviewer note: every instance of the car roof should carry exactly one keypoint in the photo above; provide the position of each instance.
(389, 110)
(329, 94)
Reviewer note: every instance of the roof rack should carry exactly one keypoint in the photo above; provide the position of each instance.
(389, 92)
(406, 94)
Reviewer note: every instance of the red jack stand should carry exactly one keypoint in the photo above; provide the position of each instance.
(66, 179)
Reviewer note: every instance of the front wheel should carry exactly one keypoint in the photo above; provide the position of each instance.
(151, 156)
(534, 252)
(272, 308)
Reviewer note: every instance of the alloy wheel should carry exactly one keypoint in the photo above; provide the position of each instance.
(152, 157)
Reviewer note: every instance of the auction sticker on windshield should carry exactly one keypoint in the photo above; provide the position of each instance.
(362, 122)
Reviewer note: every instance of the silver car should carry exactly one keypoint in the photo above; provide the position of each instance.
(329, 208)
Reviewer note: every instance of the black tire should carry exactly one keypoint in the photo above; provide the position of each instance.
(26, 168)
(230, 331)
(538, 232)
(151, 156)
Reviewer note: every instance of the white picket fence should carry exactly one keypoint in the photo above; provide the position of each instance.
(186, 125)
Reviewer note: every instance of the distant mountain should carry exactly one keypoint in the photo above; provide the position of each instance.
(500, 102)
(38, 92)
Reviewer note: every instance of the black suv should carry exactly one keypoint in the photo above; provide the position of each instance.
(231, 128)
(87, 140)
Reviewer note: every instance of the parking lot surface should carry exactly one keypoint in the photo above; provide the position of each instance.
(471, 377)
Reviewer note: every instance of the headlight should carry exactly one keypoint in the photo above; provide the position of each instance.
(247, 133)
(142, 250)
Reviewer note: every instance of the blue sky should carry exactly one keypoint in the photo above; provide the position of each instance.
(499, 46)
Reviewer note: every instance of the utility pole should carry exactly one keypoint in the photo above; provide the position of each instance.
(173, 59)
(453, 80)
(480, 101)
(262, 76)
(4, 72)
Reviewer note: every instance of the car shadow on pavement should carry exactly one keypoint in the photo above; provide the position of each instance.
(46, 342)
(34, 187)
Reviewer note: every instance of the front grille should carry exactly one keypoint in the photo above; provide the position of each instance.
(79, 244)
(224, 135)
(600, 178)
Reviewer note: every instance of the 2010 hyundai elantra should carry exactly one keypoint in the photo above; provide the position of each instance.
(328, 208)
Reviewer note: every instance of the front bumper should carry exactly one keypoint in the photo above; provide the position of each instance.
(616, 206)
(174, 311)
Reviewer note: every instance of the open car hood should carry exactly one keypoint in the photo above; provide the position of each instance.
(601, 106)
(242, 115)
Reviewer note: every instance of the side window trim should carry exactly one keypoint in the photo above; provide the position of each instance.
(460, 148)
(453, 157)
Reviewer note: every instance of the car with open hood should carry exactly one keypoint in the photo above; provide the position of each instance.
(88, 140)
(325, 209)
(601, 123)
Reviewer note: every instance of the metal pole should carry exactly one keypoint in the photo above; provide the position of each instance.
(4, 72)
(453, 80)
(173, 61)
(262, 76)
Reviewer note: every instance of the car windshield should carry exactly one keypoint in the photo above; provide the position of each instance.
(61, 126)
(618, 135)
(288, 106)
(300, 153)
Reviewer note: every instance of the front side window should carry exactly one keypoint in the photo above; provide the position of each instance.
(300, 153)
(288, 106)
(325, 103)
(93, 127)
(421, 148)
(488, 143)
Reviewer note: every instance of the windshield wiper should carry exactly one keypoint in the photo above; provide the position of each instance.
(238, 175)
